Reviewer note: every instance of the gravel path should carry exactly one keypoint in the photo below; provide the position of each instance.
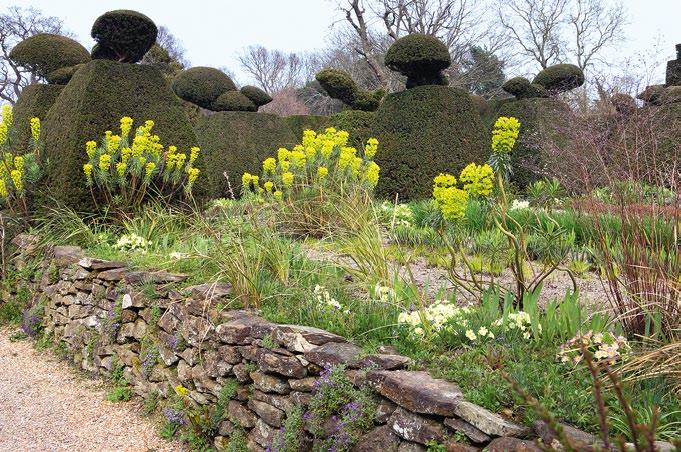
(46, 406)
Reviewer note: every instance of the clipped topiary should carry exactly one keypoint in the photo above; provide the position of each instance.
(481, 104)
(624, 104)
(202, 85)
(46, 53)
(63, 75)
(359, 124)
(541, 121)
(256, 95)
(234, 143)
(560, 77)
(34, 102)
(421, 58)
(368, 100)
(300, 123)
(98, 95)
(102, 53)
(521, 88)
(422, 132)
(673, 74)
(123, 35)
(338, 85)
(233, 101)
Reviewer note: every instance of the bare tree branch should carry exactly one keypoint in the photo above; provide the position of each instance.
(17, 24)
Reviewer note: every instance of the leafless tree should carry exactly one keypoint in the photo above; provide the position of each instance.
(552, 31)
(535, 27)
(373, 25)
(275, 70)
(594, 27)
(17, 24)
(172, 45)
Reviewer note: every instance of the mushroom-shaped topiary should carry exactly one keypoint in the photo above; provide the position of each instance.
(624, 104)
(202, 85)
(521, 88)
(233, 101)
(560, 77)
(339, 85)
(63, 75)
(256, 95)
(421, 58)
(123, 35)
(45, 53)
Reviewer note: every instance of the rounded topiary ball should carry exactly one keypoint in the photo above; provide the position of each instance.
(63, 75)
(202, 85)
(338, 84)
(521, 88)
(233, 101)
(126, 34)
(46, 52)
(560, 77)
(421, 58)
(256, 95)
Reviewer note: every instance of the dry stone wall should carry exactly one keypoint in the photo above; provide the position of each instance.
(105, 313)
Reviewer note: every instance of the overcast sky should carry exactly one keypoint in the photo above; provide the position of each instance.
(213, 32)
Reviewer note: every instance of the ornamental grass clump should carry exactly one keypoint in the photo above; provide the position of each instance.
(19, 172)
(309, 182)
(124, 171)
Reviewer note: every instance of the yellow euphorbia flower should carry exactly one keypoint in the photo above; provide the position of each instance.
(371, 174)
(17, 180)
(287, 179)
(193, 154)
(19, 163)
(120, 168)
(371, 148)
(282, 154)
(104, 162)
(192, 175)
(91, 148)
(504, 134)
(35, 129)
(322, 172)
(126, 126)
(7, 116)
(478, 180)
(3, 189)
(149, 169)
(269, 185)
(269, 165)
(278, 195)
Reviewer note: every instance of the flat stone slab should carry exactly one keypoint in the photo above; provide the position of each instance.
(302, 338)
(417, 391)
(239, 330)
(474, 434)
(488, 422)
(334, 353)
(415, 428)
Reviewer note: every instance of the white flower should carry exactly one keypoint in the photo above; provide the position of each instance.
(483, 331)
(517, 204)
(471, 335)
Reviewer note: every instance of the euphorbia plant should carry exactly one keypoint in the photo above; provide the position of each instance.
(18, 171)
(124, 171)
(481, 181)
